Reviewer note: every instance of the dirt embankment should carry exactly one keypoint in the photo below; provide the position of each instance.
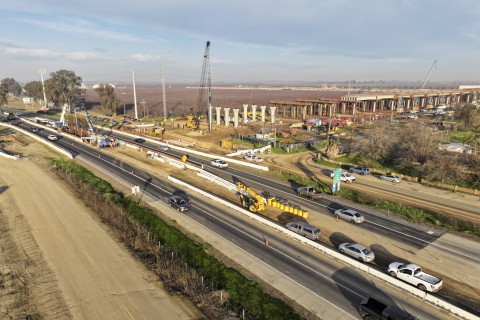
(57, 262)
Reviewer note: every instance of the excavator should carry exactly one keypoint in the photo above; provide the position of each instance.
(250, 199)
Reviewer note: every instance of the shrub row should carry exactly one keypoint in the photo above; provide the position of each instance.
(243, 293)
(411, 213)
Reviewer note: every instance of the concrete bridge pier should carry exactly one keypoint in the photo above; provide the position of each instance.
(272, 114)
(218, 109)
(235, 118)
(227, 116)
(254, 112)
(263, 113)
(245, 111)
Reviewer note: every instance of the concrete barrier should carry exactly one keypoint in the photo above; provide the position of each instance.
(200, 153)
(337, 255)
(51, 145)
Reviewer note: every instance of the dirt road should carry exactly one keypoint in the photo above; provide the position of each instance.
(95, 276)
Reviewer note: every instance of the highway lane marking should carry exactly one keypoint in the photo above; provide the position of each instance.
(404, 234)
(286, 276)
(378, 225)
(154, 197)
(131, 317)
(86, 254)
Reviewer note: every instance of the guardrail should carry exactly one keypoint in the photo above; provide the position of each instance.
(337, 255)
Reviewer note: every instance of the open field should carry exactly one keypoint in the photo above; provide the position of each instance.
(180, 100)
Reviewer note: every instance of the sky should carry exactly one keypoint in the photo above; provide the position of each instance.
(251, 40)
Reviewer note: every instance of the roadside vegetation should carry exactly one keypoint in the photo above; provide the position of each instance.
(413, 214)
(183, 264)
(412, 149)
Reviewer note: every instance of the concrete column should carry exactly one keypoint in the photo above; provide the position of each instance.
(343, 107)
(245, 111)
(254, 112)
(374, 106)
(364, 106)
(219, 109)
(263, 113)
(227, 116)
(235, 118)
(304, 113)
(272, 114)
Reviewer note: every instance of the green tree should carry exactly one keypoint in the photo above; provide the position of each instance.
(472, 137)
(34, 89)
(3, 94)
(469, 116)
(108, 98)
(13, 86)
(62, 87)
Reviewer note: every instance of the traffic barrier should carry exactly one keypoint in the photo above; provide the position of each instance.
(335, 254)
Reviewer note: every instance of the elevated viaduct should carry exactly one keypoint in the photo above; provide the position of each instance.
(373, 103)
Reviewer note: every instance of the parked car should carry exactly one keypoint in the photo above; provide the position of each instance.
(360, 170)
(414, 275)
(139, 140)
(357, 251)
(179, 203)
(52, 137)
(304, 229)
(252, 157)
(395, 120)
(164, 147)
(219, 163)
(390, 177)
(350, 215)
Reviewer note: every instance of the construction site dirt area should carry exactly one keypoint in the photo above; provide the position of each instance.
(59, 262)
(386, 249)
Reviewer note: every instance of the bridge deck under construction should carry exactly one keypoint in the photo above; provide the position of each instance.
(373, 103)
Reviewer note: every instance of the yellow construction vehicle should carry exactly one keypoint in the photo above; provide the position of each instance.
(333, 86)
(226, 144)
(250, 199)
(191, 123)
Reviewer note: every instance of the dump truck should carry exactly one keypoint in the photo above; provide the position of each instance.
(310, 192)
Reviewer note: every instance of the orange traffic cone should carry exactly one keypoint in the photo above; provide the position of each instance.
(266, 243)
(438, 255)
(337, 218)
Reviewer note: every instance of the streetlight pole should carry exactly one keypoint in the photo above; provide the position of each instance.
(42, 71)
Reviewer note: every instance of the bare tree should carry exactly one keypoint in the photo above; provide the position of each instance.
(414, 149)
(376, 145)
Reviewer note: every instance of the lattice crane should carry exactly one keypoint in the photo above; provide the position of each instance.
(205, 81)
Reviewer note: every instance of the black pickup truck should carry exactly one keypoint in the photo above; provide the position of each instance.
(372, 309)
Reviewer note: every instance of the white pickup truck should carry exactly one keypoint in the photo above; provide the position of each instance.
(414, 275)
(346, 176)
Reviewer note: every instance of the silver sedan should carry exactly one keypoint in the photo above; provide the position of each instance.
(390, 177)
(357, 251)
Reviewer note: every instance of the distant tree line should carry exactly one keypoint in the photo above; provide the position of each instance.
(63, 87)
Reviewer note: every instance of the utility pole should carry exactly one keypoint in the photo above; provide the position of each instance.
(143, 104)
(42, 71)
(134, 94)
(164, 95)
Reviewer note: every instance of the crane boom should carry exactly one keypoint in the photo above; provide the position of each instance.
(428, 75)
(205, 80)
(89, 120)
